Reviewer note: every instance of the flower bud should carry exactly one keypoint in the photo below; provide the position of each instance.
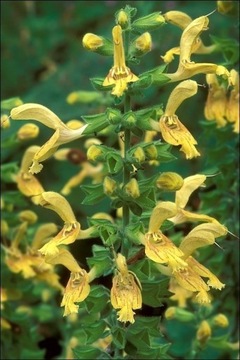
(4, 227)
(220, 320)
(132, 188)
(149, 22)
(122, 19)
(84, 97)
(28, 131)
(151, 152)
(129, 120)
(204, 332)
(29, 216)
(169, 181)
(113, 116)
(179, 314)
(109, 185)
(74, 124)
(139, 154)
(5, 122)
(225, 7)
(141, 45)
(94, 153)
(97, 44)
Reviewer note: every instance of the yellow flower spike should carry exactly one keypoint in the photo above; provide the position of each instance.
(63, 134)
(173, 131)
(28, 131)
(77, 290)
(215, 107)
(125, 292)
(220, 320)
(232, 106)
(202, 271)
(119, 75)
(162, 211)
(202, 235)
(204, 332)
(132, 188)
(65, 258)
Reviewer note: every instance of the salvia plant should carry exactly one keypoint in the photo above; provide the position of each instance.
(150, 288)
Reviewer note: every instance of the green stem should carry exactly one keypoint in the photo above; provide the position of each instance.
(126, 171)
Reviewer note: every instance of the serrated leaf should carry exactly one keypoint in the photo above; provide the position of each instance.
(89, 352)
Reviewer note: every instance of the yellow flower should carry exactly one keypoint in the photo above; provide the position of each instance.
(119, 75)
(232, 106)
(180, 294)
(190, 184)
(182, 20)
(157, 246)
(70, 231)
(220, 320)
(173, 131)
(27, 183)
(215, 107)
(188, 45)
(62, 135)
(125, 293)
(28, 131)
(77, 290)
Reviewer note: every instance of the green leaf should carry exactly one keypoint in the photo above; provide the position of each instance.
(89, 352)
(114, 162)
(94, 194)
(97, 83)
(101, 260)
(119, 337)
(8, 171)
(97, 300)
(96, 123)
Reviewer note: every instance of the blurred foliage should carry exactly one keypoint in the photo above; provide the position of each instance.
(43, 61)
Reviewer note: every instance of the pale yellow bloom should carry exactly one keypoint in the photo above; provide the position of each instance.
(132, 188)
(181, 295)
(169, 181)
(190, 184)
(71, 229)
(119, 75)
(215, 107)
(173, 131)
(202, 235)
(92, 42)
(157, 246)
(77, 290)
(182, 20)
(188, 45)
(125, 292)
(27, 183)
(62, 135)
